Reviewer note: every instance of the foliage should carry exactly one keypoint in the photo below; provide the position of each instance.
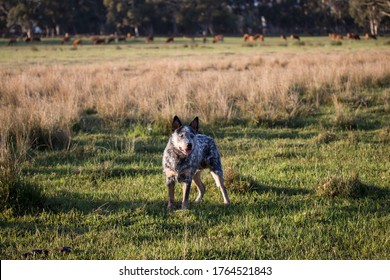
(145, 17)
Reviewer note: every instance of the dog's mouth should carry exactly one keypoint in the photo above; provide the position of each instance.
(185, 151)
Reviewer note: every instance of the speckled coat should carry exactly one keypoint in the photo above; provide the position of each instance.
(185, 155)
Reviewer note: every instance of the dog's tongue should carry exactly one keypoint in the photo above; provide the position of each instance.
(186, 151)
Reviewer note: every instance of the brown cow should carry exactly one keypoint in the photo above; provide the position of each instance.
(260, 37)
(65, 39)
(34, 38)
(245, 37)
(170, 40)
(334, 36)
(283, 37)
(218, 38)
(110, 39)
(353, 36)
(295, 37)
(369, 36)
(97, 40)
(149, 39)
(77, 42)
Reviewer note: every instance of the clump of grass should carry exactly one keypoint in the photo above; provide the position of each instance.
(341, 186)
(343, 117)
(298, 43)
(16, 194)
(235, 182)
(384, 135)
(336, 43)
(282, 44)
(325, 137)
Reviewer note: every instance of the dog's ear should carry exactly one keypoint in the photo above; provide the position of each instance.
(176, 123)
(195, 124)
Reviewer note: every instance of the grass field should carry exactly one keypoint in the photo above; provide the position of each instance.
(303, 129)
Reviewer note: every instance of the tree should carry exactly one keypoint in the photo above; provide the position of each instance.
(24, 13)
(369, 11)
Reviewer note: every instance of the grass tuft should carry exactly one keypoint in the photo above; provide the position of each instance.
(325, 137)
(384, 135)
(16, 193)
(235, 182)
(350, 187)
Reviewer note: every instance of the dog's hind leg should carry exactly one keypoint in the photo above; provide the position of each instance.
(218, 177)
(199, 184)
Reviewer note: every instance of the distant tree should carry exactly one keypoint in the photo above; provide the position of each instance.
(135, 14)
(369, 11)
(5, 6)
(24, 13)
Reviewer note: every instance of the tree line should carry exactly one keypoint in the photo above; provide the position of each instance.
(193, 17)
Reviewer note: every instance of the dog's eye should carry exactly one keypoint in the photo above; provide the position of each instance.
(181, 135)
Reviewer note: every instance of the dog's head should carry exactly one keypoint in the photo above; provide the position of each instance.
(183, 136)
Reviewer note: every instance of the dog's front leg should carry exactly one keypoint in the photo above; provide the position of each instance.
(171, 192)
(186, 195)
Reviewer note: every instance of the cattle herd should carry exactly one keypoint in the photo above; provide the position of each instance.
(247, 38)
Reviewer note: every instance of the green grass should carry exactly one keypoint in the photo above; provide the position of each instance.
(106, 197)
(107, 200)
(51, 51)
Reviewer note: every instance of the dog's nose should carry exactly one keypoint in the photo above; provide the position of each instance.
(189, 146)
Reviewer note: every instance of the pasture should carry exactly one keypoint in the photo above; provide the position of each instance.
(303, 130)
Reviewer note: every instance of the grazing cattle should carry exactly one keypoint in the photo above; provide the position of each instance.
(77, 42)
(11, 41)
(129, 36)
(353, 36)
(259, 37)
(170, 40)
(295, 37)
(283, 37)
(369, 36)
(149, 39)
(34, 38)
(218, 38)
(334, 36)
(245, 37)
(65, 39)
(110, 39)
(97, 40)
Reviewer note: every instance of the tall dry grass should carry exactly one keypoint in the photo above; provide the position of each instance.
(42, 102)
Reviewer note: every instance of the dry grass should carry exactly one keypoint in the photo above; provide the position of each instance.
(42, 102)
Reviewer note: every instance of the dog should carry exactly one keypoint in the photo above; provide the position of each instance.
(185, 156)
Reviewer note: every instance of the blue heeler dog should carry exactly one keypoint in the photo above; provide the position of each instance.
(185, 155)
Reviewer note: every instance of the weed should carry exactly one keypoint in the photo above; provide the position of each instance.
(341, 186)
(343, 116)
(235, 182)
(16, 193)
(384, 135)
(336, 43)
(325, 137)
